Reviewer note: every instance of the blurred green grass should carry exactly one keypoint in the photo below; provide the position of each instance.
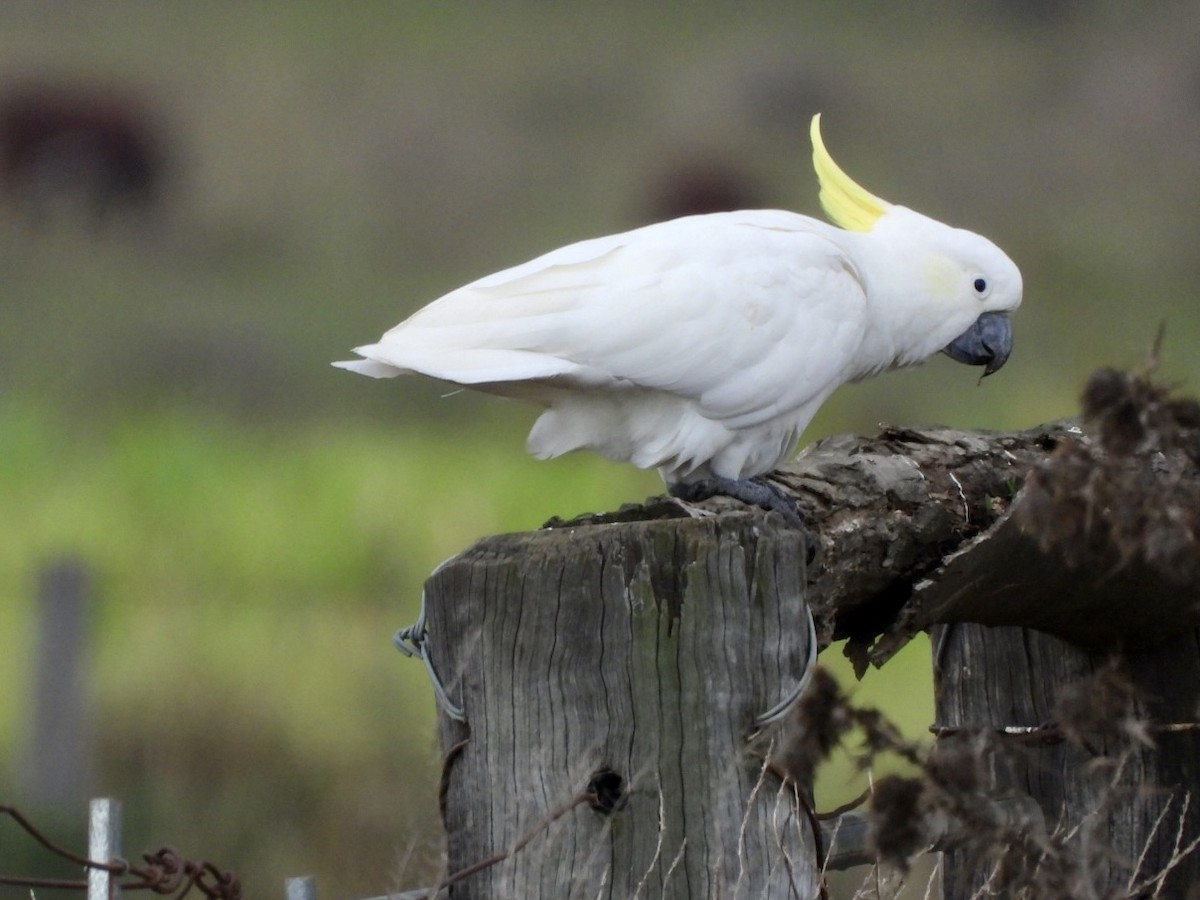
(248, 581)
(247, 584)
(260, 524)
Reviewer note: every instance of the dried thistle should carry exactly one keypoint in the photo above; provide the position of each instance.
(1103, 705)
(897, 822)
(1128, 489)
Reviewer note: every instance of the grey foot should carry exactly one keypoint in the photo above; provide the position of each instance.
(749, 490)
(754, 492)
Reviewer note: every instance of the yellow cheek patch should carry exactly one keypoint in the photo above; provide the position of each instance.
(942, 277)
(847, 203)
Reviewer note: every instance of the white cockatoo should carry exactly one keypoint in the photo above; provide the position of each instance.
(703, 346)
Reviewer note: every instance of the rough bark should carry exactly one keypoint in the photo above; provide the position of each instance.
(885, 513)
(640, 653)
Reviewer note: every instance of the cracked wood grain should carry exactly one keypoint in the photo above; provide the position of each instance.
(646, 648)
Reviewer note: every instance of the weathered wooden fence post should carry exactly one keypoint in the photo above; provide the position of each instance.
(623, 665)
(1131, 800)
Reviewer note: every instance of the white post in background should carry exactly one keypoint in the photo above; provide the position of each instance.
(104, 845)
(302, 888)
(56, 770)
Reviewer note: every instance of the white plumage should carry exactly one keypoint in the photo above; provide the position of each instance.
(703, 346)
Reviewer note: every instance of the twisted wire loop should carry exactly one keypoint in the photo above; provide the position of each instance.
(413, 641)
(166, 871)
(780, 709)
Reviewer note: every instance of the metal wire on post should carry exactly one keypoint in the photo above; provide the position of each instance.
(165, 871)
(104, 845)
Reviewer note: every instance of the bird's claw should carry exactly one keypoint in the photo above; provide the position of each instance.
(751, 491)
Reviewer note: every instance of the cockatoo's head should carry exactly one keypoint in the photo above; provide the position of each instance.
(946, 289)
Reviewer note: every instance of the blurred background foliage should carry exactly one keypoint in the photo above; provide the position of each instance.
(256, 524)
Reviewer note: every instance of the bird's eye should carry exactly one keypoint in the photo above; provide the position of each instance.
(981, 287)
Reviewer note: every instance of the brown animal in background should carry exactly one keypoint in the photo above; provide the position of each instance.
(689, 187)
(80, 151)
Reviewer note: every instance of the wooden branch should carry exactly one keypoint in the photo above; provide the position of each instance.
(1083, 530)
(885, 512)
(925, 526)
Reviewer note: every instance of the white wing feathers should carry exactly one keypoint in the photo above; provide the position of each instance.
(699, 345)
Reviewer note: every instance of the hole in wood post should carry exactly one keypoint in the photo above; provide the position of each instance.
(606, 791)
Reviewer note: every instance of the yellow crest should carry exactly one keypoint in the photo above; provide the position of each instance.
(848, 204)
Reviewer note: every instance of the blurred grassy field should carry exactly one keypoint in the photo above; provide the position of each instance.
(260, 524)
(248, 582)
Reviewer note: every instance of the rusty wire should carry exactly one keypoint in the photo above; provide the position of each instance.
(165, 872)
(606, 792)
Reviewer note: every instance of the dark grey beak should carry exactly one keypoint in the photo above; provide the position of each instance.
(986, 343)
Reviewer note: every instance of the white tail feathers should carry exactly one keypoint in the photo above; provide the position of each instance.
(369, 367)
(472, 366)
